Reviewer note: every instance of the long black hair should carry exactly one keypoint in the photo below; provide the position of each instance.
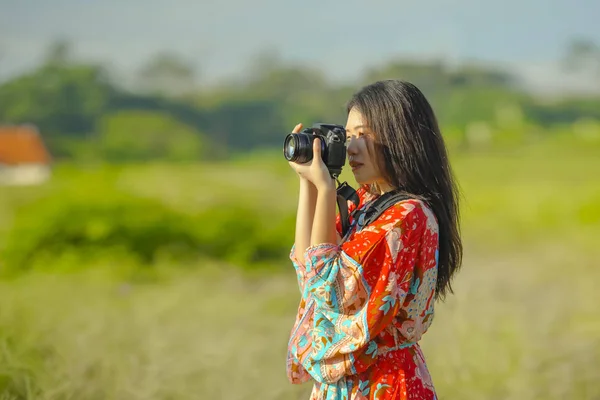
(412, 156)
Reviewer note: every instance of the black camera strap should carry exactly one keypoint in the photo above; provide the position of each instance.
(385, 201)
(345, 193)
(369, 214)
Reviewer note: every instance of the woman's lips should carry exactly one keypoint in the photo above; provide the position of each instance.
(355, 166)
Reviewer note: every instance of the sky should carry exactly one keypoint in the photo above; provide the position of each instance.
(342, 38)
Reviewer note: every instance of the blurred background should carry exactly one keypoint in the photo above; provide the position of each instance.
(147, 213)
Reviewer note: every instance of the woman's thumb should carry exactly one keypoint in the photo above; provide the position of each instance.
(317, 147)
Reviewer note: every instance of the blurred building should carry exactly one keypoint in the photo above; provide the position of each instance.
(24, 158)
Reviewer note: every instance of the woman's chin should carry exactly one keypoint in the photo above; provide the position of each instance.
(361, 181)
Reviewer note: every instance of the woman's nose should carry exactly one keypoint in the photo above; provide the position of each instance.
(351, 147)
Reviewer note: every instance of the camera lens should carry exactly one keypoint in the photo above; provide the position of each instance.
(297, 148)
(289, 147)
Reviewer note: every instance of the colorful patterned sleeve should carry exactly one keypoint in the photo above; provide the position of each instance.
(299, 265)
(349, 309)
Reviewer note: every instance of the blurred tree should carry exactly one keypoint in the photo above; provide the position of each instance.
(270, 77)
(563, 111)
(143, 136)
(481, 76)
(2, 55)
(63, 101)
(242, 124)
(582, 55)
(59, 53)
(263, 63)
(61, 96)
(459, 95)
(430, 76)
(272, 98)
(167, 74)
(73, 102)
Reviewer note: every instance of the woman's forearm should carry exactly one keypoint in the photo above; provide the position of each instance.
(323, 229)
(307, 199)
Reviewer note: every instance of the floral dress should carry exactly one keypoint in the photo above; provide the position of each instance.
(365, 304)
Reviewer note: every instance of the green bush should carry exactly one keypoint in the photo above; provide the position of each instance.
(89, 227)
(244, 236)
(139, 230)
(144, 135)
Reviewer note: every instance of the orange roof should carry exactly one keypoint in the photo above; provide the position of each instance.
(22, 145)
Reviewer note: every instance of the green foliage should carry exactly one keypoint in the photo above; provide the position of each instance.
(108, 225)
(89, 226)
(563, 111)
(242, 124)
(243, 212)
(166, 73)
(61, 100)
(143, 136)
(76, 106)
(244, 236)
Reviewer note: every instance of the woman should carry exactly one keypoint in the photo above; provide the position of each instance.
(368, 298)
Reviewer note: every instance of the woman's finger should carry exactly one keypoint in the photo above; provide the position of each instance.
(297, 128)
(317, 148)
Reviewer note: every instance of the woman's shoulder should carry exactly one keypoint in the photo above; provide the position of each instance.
(411, 213)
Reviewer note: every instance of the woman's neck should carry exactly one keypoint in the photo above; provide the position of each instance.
(384, 187)
(378, 188)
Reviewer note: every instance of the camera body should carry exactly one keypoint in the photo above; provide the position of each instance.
(297, 147)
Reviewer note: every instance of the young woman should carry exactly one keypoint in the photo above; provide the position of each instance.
(367, 298)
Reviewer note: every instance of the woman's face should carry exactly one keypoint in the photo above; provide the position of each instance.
(359, 139)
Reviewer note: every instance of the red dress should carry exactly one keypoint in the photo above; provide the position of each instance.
(365, 305)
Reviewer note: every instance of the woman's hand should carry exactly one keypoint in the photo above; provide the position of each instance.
(315, 171)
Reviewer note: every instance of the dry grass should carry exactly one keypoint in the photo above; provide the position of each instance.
(508, 333)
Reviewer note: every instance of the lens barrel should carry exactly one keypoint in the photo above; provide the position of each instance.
(297, 147)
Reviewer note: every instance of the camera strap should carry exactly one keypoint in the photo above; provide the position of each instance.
(346, 193)
(369, 214)
(385, 201)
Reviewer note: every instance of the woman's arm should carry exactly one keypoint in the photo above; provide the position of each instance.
(323, 209)
(323, 229)
(307, 199)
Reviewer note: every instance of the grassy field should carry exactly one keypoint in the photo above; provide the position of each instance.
(524, 322)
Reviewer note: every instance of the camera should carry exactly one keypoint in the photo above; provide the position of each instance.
(297, 147)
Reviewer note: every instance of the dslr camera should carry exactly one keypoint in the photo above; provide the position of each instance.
(297, 147)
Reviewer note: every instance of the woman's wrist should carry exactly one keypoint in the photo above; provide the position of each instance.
(326, 186)
(308, 185)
